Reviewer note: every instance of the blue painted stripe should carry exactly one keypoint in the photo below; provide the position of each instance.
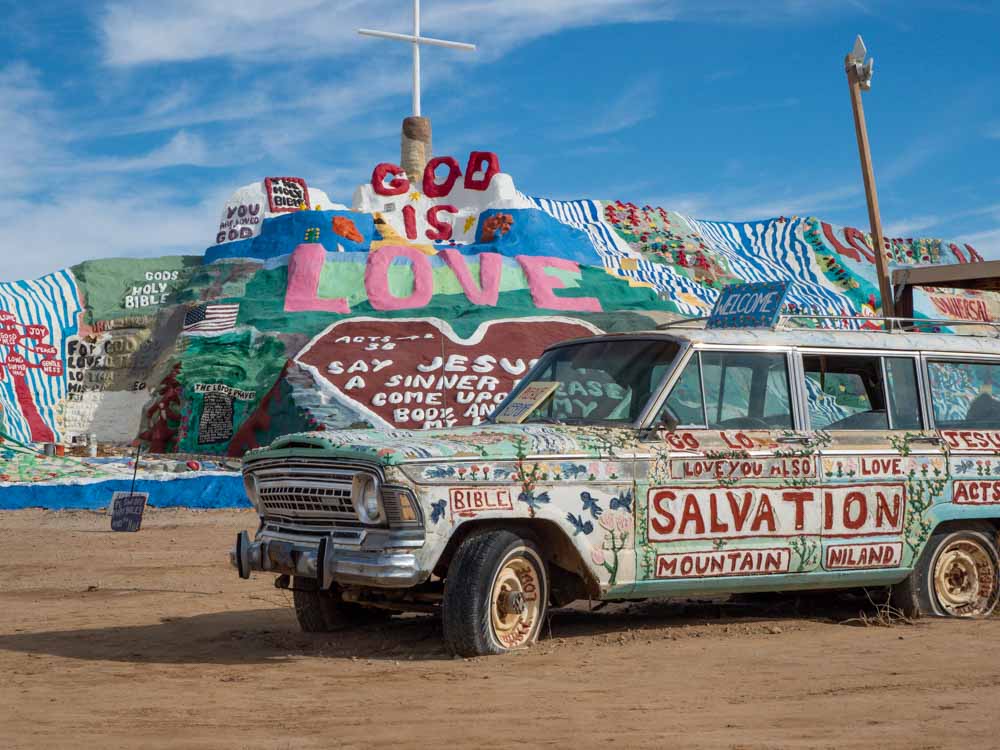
(214, 491)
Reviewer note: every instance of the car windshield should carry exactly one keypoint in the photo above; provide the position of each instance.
(594, 382)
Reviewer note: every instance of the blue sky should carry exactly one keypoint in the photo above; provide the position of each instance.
(126, 124)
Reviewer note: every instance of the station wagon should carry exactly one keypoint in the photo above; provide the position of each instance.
(678, 462)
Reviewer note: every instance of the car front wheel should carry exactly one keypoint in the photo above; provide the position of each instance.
(495, 595)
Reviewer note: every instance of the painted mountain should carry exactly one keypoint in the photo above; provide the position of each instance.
(420, 305)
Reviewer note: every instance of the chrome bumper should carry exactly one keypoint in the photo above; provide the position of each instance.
(382, 559)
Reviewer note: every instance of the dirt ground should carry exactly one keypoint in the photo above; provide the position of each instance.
(150, 640)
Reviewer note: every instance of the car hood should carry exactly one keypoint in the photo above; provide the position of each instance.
(483, 442)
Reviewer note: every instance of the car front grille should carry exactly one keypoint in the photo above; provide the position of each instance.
(311, 493)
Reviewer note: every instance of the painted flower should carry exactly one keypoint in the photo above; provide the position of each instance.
(607, 522)
(623, 522)
(597, 555)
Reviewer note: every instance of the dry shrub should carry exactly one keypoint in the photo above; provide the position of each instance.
(884, 615)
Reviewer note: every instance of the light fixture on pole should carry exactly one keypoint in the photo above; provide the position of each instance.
(859, 76)
(416, 142)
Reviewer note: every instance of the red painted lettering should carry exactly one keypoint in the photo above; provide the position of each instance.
(660, 501)
(884, 515)
(716, 526)
(740, 511)
(434, 189)
(691, 514)
(765, 514)
(410, 222)
(860, 502)
(476, 160)
(441, 230)
(800, 499)
(396, 186)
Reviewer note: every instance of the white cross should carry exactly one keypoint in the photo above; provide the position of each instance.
(417, 40)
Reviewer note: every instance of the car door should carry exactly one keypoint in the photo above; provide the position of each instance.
(729, 499)
(965, 404)
(879, 460)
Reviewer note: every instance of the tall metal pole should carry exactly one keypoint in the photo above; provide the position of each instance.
(874, 217)
(416, 59)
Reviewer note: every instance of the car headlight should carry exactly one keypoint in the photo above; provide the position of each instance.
(250, 485)
(367, 499)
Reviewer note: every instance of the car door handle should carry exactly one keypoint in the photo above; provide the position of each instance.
(793, 439)
(934, 439)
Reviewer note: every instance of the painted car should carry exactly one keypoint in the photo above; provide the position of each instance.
(676, 462)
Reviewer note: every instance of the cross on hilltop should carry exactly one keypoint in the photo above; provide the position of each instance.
(417, 40)
(416, 140)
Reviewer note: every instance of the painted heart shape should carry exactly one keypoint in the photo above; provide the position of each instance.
(417, 373)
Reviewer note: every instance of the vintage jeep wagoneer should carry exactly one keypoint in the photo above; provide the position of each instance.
(672, 463)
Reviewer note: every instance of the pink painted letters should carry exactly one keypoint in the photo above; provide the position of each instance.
(304, 268)
(377, 279)
(542, 284)
(490, 269)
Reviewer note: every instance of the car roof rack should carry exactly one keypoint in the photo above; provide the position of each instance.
(889, 325)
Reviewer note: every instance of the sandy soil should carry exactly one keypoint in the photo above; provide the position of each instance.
(150, 640)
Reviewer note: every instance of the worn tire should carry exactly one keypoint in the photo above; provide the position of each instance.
(955, 564)
(324, 612)
(495, 595)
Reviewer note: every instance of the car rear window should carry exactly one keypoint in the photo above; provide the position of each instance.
(965, 394)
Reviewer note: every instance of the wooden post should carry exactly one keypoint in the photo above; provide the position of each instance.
(874, 217)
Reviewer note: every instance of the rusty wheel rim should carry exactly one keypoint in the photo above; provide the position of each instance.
(515, 601)
(965, 579)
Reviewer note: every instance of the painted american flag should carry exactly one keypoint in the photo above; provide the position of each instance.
(211, 318)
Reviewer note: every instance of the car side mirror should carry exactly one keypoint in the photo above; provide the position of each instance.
(668, 420)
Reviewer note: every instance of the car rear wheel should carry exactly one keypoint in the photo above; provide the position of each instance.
(958, 575)
(324, 611)
(495, 595)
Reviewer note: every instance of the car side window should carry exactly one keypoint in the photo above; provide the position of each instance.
(845, 392)
(849, 392)
(746, 390)
(965, 394)
(742, 390)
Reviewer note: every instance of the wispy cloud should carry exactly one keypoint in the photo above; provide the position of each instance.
(912, 225)
(139, 32)
(26, 115)
(913, 156)
(781, 201)
(987, 242)
(635, 104)
(183, 149)
(99, 221)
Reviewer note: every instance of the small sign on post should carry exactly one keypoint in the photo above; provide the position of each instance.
(127, 509)
(749, 305)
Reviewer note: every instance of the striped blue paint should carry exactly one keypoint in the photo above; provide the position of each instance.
(53, 301)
